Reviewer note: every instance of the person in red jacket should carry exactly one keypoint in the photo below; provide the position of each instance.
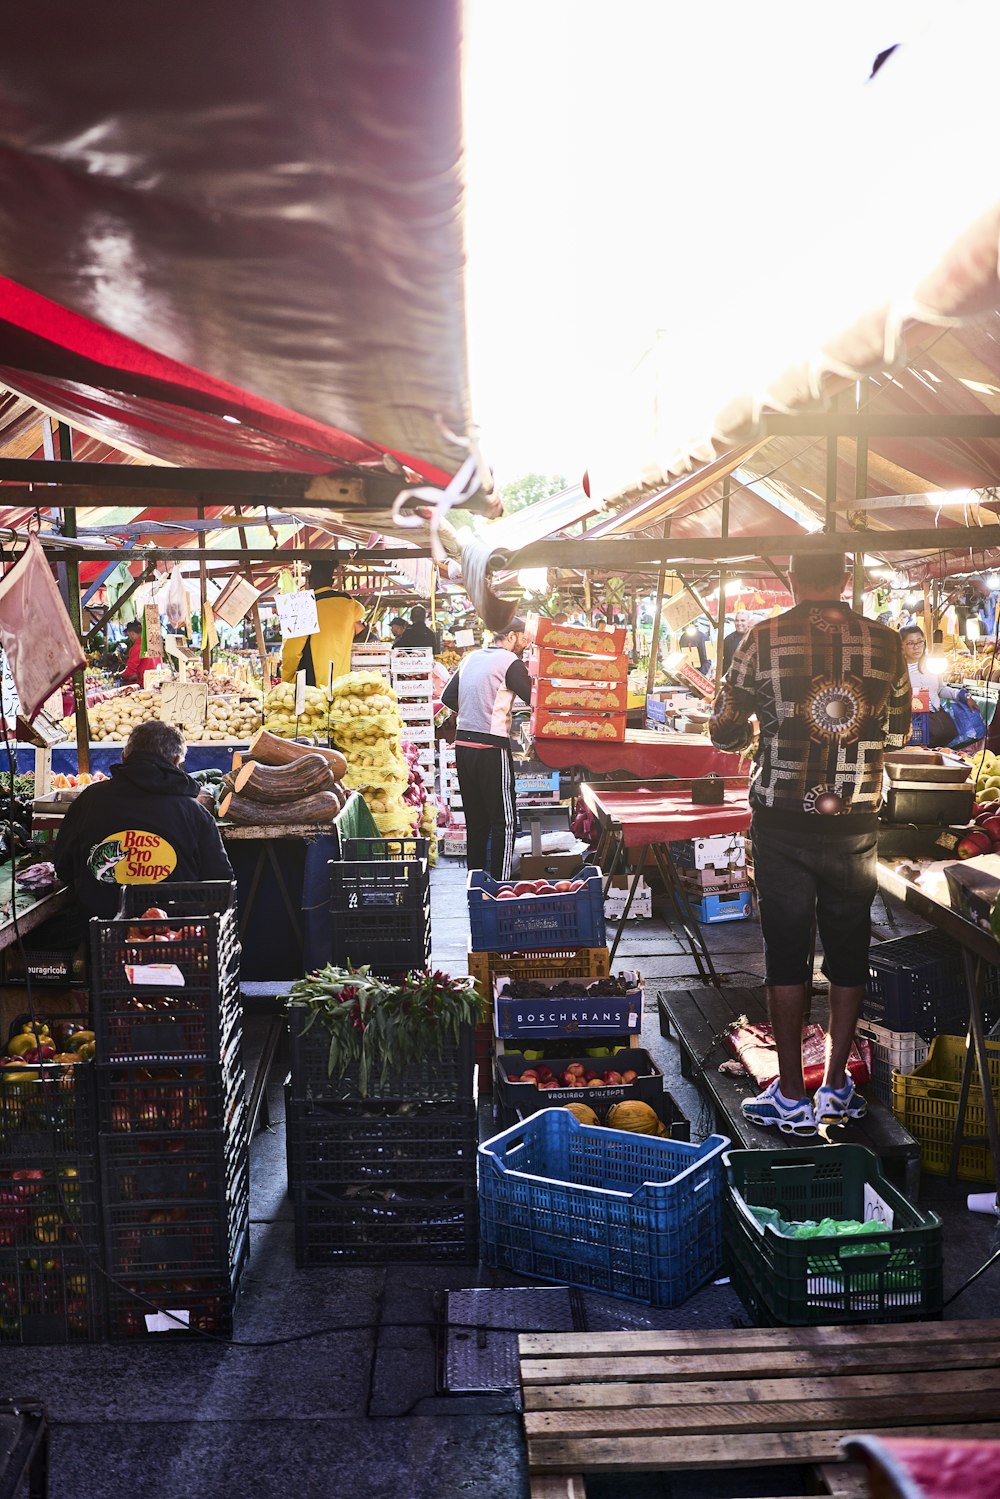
(133, 634)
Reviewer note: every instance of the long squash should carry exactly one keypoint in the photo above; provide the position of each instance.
(284, 783)
(319, 808)
(269, 749)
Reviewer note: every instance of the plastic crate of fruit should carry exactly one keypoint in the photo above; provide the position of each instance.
(181, 1025)
(148, 1306)
(629, 1215)
(548, 964)
(925, 1102)
(193, 943)
(514, 915)
(201, 1164)
(424, 1223)
(892, 1273)
(344, 1144)
(50, 1294)
(530, 1008)
(160, 1100)
(47, 1114)
(521, 1086)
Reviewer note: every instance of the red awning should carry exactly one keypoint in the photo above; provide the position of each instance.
(251, 214)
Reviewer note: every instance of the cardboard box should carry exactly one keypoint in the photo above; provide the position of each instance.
(617, 894)
(586, 728)
(549, 866)
(562, 668)
(721, 851)
(974, 885)
(709, 878)
(542, 631)
(594, 697)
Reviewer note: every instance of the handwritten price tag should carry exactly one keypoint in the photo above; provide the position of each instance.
(297, 613)
(185, 704)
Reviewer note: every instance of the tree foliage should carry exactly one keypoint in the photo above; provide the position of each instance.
(529, 489)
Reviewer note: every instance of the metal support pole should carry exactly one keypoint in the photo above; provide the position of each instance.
(206, 650)
(265, 669)
(76, 619)
(830, 525)
(860, 495)
(720, 613)
(654, 639)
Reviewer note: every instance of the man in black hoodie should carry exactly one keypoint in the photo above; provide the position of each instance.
(143, 826)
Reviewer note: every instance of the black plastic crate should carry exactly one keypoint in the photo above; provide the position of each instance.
(137, 1305)
(357, 1144)
(918, 984)
(437, 1079)
(380, 1224)
(191, 1237)
(48, 1119)
(198, 1166)
(199, 937)
(44, 965)
(389, 942)
(48, 1206)
(50, 1294)
(182, 1025)
(152, 1101)
(370, 850)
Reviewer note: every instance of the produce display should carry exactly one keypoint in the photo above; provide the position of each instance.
(279, 711)
(550, 664)
(987, 770)
(281, 783)
(514, 890)
(69, 1043)
(609, 728)
(582, 638)
(366, 725)
(633, 1115)
(616, 986)
(229, 716)
(593, 697)
(575, 1075)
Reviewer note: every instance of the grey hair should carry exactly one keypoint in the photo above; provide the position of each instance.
(156, 738)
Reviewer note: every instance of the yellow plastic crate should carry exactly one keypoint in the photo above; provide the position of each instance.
(547, 964)
(926, 1103)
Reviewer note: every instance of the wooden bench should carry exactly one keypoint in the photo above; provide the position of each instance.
(748, 1398)
(697, 1017)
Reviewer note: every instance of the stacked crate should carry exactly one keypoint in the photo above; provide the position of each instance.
(380, 905)
(51, 1288)
(915, 991)
(455, 840)
(715, 876)
(391, 1176)
(413, 683)
(171, 1109)
(580, 682)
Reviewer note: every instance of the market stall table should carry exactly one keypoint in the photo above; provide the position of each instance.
(980, 951)
(650, 816)
(33, 907)
(201, 755)
(284, 889)
(643, 752)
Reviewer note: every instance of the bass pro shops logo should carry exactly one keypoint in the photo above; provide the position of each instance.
(131, 858)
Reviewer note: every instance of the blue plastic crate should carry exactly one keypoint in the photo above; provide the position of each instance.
(918, 984)
(724, 905)
(536, 921)
(625, 1214)
(537, 783)
(656, 710)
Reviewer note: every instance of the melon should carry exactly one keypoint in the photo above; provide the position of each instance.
(581, 1112)
(634, 1115)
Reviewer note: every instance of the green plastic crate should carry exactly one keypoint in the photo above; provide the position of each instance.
(789, 1282)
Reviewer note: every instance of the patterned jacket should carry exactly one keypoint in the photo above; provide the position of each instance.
(830, 691)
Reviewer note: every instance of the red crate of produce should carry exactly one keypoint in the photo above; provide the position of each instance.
(521, 1098)
(593, 697)
(581, 638)
(560, 668)
(588, 728)
(50, 1294)
(153, 1305)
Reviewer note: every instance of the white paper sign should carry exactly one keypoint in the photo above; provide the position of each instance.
(297, 613)
(235, 601)
(465, 638)
(167, 974)
(300, 693)
(876, 1207)
(185, 704)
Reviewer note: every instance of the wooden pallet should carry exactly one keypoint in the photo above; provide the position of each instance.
(697, 1017)
(748, 1398)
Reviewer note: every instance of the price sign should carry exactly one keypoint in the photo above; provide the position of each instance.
(297, 613)
(185, 704)
(300, 693)
(235, 601)
(154, 635)
(680, 611)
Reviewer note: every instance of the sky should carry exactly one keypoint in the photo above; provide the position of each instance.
(667, 203)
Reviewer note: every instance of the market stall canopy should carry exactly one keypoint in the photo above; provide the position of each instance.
(234, 238)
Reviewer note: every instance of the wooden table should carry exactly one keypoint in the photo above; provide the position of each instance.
(724, 1398)
(650, 815)
(980, 951)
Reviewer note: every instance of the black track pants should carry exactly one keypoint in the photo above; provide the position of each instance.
(486, 780)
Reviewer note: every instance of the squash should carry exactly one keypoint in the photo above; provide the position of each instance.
(581, 1112)
(320, 808)
(271, 750)
(278, 784)
(634, 1115)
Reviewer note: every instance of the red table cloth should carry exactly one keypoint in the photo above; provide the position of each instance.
(644, 752)
(654, 814)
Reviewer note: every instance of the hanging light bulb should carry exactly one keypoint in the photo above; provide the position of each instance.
(936, 665)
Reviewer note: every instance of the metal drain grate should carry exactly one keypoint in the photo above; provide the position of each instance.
(480, 1345)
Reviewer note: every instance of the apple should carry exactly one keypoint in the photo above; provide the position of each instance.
(154, 913)
(570, 1080)
(545, 1074)
(513, 1077)
(563, 887)
(972, 842)
(992, 826)
(576, 1068)
(529, 1075)
(544, 888)
(524, 887)
(629, 1075)
(576, 885)
(612, 1076)
(506, 895)
(595, 1082)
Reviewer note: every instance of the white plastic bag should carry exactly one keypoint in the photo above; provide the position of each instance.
(36, 633)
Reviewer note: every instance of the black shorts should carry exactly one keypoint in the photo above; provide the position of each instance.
(829, 878)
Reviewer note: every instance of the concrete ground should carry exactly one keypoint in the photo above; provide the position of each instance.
(329, 1387)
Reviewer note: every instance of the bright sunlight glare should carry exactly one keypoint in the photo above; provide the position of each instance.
(668, 203)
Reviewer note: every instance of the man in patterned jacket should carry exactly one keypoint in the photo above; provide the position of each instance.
(830, 692)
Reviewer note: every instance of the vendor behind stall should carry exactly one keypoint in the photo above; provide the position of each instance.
(330, 647)
(144, 826)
